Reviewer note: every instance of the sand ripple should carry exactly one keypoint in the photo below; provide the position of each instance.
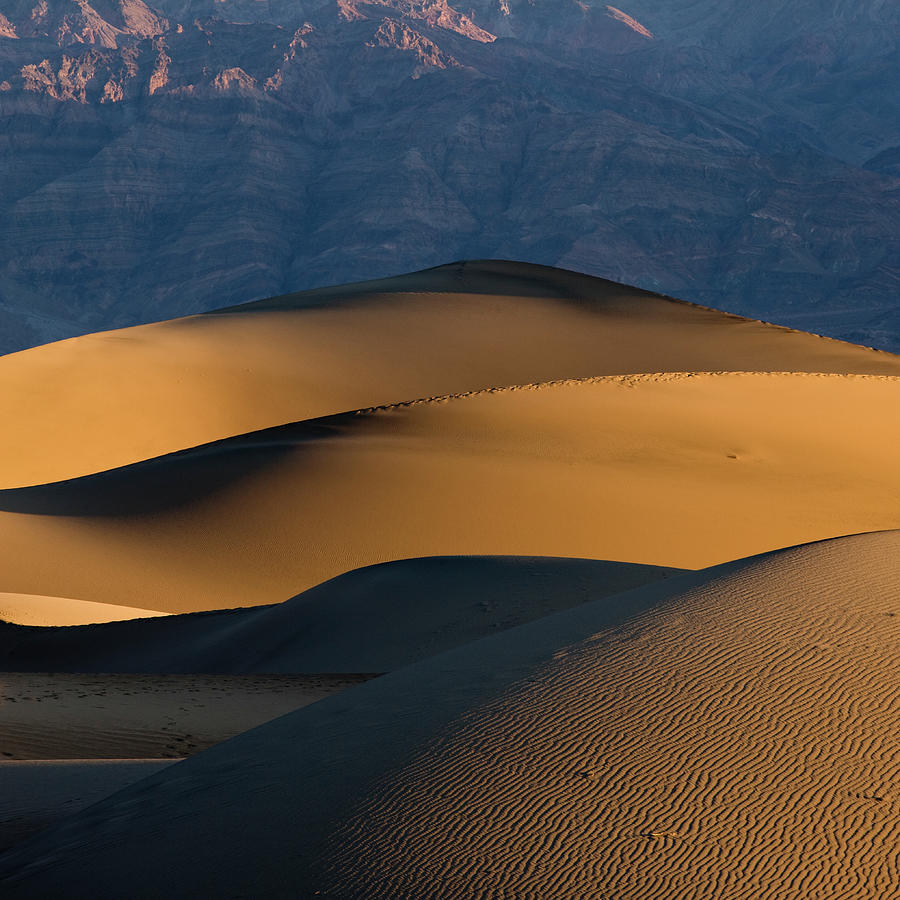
(738, 743)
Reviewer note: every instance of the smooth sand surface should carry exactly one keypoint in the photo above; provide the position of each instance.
(28, 609)
(671, 470)
(92, 716)
(727, 733)
(96, 402)
(36, 793)
(375, 619)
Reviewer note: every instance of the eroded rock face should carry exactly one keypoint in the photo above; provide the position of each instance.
(165, 159)
(106, 23)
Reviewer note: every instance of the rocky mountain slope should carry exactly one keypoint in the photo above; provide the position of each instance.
(169, 158)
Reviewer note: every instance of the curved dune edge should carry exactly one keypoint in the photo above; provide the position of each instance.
(375, 619)
(723, 733)
(632, 379)
(30, 609)
(681, 471)
(105, 400)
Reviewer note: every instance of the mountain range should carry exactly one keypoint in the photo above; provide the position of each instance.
(169, 159)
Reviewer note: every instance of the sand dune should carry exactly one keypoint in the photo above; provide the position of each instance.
(37, 793)
(106, 400)
(719, 734)
(28, 609)
(671, 470)
(569, 715)
(375, 619)
(69, 740)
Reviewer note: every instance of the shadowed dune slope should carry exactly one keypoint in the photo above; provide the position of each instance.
(105, 400)
(371, 620)
(35, 793)
(726, 733)
(681, 471)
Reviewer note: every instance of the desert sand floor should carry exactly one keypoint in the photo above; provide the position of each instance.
(676, 470)
(725, 733)
(105, 400)
(124, 716)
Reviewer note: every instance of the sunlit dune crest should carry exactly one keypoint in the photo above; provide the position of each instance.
(720, 733)
(29, 609)
(105, 400)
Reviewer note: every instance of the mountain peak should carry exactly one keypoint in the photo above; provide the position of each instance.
(434, 13)
(234, 79)
(399, 36)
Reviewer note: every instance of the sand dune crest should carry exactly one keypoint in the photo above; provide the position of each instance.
(375, 619)
(28, 609)
(105, 400)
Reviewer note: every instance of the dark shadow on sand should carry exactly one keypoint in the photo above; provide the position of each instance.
(373, 619)
(167, 482)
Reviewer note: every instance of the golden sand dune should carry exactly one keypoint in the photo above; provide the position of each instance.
(28, 609)
(566, 717)
(105, 400)
(670, 470)
(719, 734)
(371, 620)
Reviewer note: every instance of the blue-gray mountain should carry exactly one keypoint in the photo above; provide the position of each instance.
(166, 159)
